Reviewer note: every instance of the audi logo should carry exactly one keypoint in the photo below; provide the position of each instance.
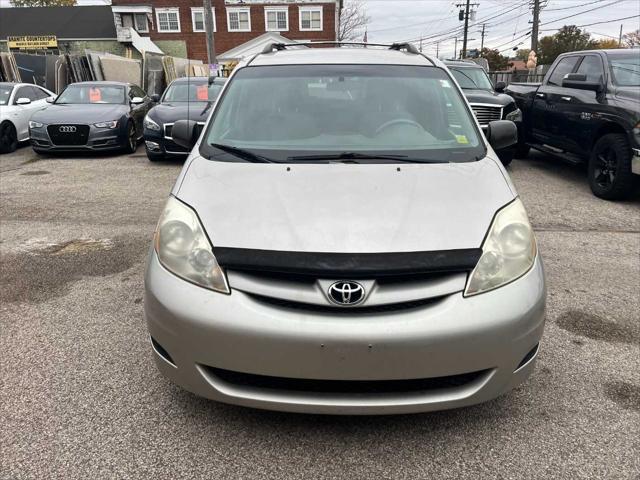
(66, 129)
(346, 293)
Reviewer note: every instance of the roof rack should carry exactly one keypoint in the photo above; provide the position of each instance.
(408, 47)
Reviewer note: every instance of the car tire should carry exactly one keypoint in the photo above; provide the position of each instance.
(610, 175)
(505, 156)
(8, 137)
(131, 142)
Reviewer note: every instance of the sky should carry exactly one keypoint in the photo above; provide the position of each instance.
(506, 21)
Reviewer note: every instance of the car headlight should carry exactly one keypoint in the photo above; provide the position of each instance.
(184, 249)
(508, 252)
(150, 124)
(515, 116)
(33, 124)
(111, 124)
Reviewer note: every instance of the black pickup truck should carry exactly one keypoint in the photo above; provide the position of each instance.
(587, 109)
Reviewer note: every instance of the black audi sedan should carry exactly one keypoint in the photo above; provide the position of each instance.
(487, 100)
(184, 99)
(92, 116)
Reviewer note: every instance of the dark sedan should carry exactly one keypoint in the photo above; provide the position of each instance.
(92, 116)
(184, 99)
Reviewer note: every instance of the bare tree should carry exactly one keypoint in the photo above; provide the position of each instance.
(353, 18)
(631, 39)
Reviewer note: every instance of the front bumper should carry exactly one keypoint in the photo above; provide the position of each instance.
(198, 329)
(157, 143)
(100, 139)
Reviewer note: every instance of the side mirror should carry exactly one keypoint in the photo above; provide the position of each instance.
(51, 99)
(137, 100)
(23, 101)
(155, 98)
(502, 134)
(184, 133)
(500, 86)
(579, 82)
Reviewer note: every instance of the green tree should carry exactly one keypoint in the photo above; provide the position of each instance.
(568, 39)
(496, 61)
(523, 54)
(43, 3)
(606, 43)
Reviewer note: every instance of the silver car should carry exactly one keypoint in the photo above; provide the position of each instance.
(343, 239)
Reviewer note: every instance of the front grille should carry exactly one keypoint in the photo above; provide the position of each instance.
(486, 113)
(344, 386)
(63, 138)
(334, 310)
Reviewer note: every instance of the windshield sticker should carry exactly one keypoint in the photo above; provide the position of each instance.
(461, 139)
(445, 84)
(202, 92)
(95, 95)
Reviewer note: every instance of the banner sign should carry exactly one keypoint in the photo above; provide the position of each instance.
(32, 42)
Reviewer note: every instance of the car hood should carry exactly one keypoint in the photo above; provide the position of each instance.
(171, 112)
(345, 208)
(84, 114)
(485, 96)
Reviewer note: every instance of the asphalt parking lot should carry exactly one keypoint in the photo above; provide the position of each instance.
(81, 398)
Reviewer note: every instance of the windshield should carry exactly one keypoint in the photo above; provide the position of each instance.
(192, 92)
(626, 69)
(309, 111)
(5, 93)
(82, 94)
(470, 78)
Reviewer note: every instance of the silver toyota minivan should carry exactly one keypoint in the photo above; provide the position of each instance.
(343, 239)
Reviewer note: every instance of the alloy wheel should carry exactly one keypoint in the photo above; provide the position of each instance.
(606, 167)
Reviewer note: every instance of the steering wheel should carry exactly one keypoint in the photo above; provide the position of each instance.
(397, 121)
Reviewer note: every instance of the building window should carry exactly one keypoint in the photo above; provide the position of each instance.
(238, 20)
(276, 19)
(168, 19)
(310, 18)
(141, 23)
(197, 19)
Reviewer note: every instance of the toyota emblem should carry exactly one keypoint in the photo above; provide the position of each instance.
(66, 128)
(346, 293)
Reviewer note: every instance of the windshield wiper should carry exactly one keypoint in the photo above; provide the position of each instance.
(242, 153)
(359, 156)
(346, 156)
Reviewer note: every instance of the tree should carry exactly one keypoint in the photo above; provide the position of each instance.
(523, 54)
(631, 39)
(604, 44)
(353, 17)
(43, 3)
(496, 61)
(568, 39)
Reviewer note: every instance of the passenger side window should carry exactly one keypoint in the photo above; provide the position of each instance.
(25, 92)
(137, 91)
(566, 65)
(39, 93)
(591, 66)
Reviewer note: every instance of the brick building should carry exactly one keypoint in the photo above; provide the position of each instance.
(177, 26)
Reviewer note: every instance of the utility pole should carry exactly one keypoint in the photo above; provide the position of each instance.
(208, 28)
(534, 29)
(465, 15)
(620, 37)
(482, 33)
(437, 49)
(421, 45)
(455, 49)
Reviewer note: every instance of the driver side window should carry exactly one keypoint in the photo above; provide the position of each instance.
(565, 66)
(591, 66)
